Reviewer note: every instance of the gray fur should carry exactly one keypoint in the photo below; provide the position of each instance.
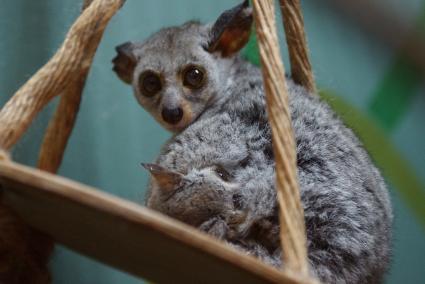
(347, 209)
(168, 52)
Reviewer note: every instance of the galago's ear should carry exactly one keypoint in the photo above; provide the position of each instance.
(125, 62)
(231, 31)
(166, 180)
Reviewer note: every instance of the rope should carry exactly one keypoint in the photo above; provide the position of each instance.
(62, 123)
(56, 76)
(4, 155)
(66, 72)
(60, 128)
(292, 233)
(86, 3)
(301, 70)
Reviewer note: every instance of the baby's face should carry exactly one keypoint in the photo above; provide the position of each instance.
(196, 196)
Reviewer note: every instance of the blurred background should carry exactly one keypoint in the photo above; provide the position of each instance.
(369, 60)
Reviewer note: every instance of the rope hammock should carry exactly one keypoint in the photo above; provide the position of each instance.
(78, 216)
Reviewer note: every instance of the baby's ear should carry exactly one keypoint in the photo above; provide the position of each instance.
(166, 180)
(125, 62)
(231, 31)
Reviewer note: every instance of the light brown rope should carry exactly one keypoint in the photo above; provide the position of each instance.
(86, 3)
(292, 234)
(4, 155)
(301, 69)
(60, 128)
(54, 77)
(62, 123)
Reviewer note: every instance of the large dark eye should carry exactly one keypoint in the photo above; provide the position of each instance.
(193, 77)
(222, 173)
(150, 83)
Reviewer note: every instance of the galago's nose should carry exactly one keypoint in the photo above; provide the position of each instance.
(172, 116)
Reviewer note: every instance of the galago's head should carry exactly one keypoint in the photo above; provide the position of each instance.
(177, 72)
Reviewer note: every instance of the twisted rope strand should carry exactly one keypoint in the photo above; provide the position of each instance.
(54, 77)
(62, 123)
(301, 70)
(291, 214)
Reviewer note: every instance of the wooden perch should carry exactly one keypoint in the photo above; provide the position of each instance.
(126, 235)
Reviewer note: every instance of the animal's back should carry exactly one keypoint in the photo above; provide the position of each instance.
(348, 213)
(347, 208)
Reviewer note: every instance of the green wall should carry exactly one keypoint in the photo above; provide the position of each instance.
(113, 134)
